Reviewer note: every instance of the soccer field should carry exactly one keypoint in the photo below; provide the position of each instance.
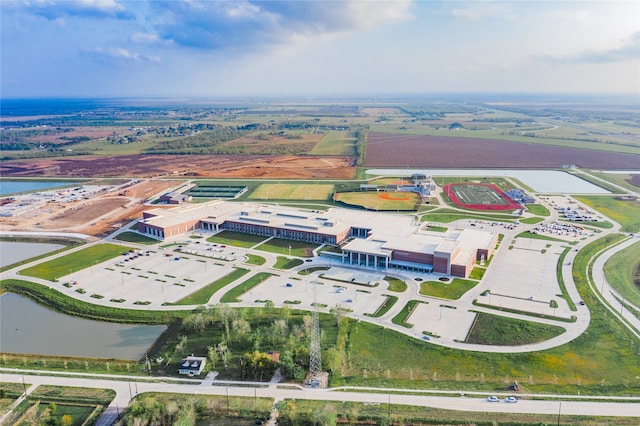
(292, 191)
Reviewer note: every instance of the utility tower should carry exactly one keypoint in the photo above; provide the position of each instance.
(315, 361)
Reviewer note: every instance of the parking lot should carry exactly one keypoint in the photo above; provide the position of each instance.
(155, 276)
(524, 278)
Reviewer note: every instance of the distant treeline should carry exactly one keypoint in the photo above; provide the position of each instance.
(202, 142)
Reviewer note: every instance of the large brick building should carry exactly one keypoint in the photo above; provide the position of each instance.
(367, 239)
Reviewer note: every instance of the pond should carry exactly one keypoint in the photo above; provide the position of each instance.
(28, 328)
(544, 181)
(12, 252)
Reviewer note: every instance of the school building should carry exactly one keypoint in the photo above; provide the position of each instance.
(366, 239)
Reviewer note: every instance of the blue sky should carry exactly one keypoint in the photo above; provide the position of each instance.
(189, 48)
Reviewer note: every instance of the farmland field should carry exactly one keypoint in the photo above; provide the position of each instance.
(394, 150)
(285, 191)
(336, 143)
(399, 201)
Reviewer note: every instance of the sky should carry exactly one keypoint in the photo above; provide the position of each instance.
(191, 48)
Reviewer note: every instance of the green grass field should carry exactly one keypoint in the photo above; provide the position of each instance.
(132, 237)
(73, 262)
(623, 212)
(448, 215)
(383, 201)
(292, 191)
(234, 294)
(538, 210)
(396, 284)
(284, 262)
(336, 143)
(452, 290)
(620, 271)
(490, 329)
(288, 247)
(236, 239)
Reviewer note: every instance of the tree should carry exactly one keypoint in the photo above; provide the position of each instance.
(279, 331)
(224, 352)
(241, 328)
(181, 346)
(227, 314)
(339, 312)
(331, 359)
(258, 364)
(66, 420)
(289, 368)
(196, 322)
(213, 356)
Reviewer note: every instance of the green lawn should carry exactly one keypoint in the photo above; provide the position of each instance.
(293, 248)
(527, 234)
(283, 262)
(538, 210)
(234, 294)
(448, 215)
(490, 329)
(620, 271)
(292, 191)
(134, 237)
(385, 306)
(396, 284)
(236, 239)
(253, 259)
(477, 273)
(531, 220)
(402, 316)
(202, 296)
(452, 290)
(73, 262)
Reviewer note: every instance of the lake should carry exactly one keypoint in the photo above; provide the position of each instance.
(28, 328)
(544, 181)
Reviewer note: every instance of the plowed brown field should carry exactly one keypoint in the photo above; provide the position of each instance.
(213, 166)
(390, 150)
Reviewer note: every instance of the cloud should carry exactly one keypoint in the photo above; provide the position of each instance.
(481, 10)
(102, 55)
(146, 38)
(629, 50)
(55, 10)
(250, 25)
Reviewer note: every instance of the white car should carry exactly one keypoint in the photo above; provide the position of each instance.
(510, 399)
(493, 399)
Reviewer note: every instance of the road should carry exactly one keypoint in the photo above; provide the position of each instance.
(472, 401)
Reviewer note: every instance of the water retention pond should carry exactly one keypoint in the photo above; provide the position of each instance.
(29, 328)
